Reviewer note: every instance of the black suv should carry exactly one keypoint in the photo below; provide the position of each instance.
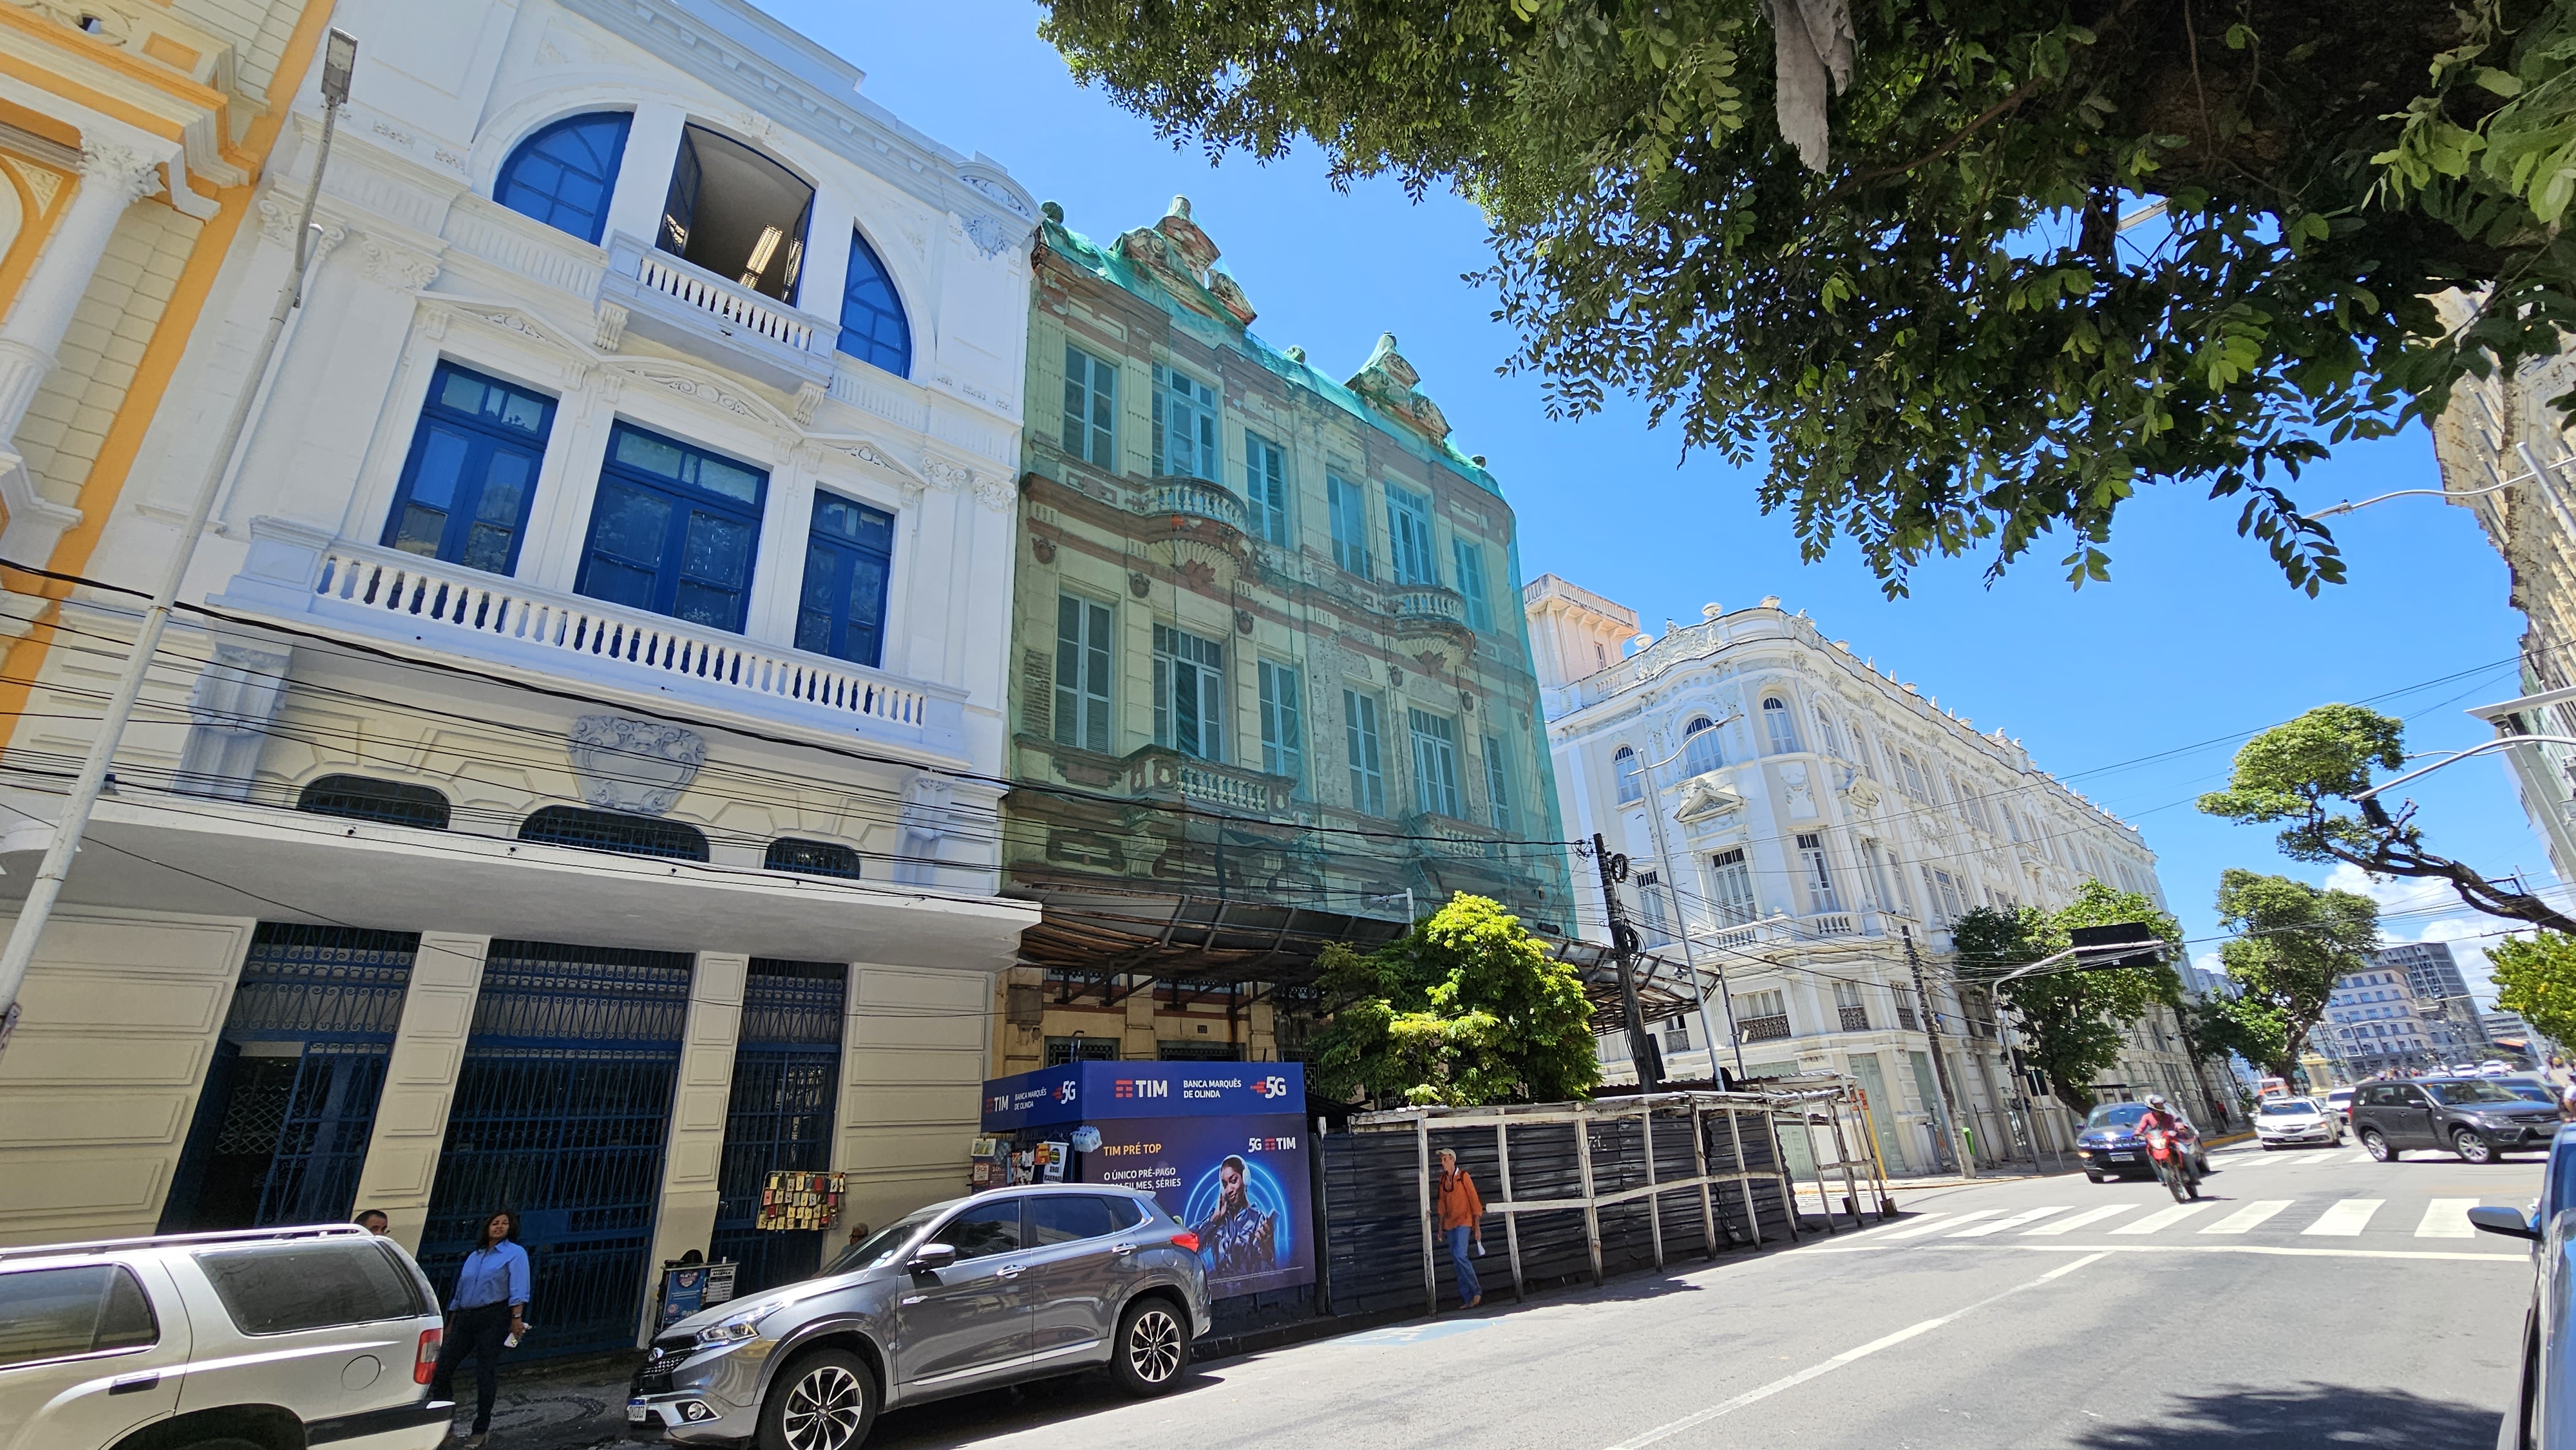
(2473, 1117)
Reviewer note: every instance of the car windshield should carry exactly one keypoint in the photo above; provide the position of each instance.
(881, 1246)
(2116, 1115)
(2287, 1107)
(2530, 1087)
(2460, 1094)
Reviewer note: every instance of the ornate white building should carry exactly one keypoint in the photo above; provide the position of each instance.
(573, 786)
(1821, 826)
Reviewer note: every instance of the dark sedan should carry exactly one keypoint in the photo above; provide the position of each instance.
(2109, 1147)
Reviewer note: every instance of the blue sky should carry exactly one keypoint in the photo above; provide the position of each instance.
(2195, 638)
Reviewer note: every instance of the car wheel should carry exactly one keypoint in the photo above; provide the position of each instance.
(2472, 1148)
(1153, 1347)
(2377, 1145)
(824, 1401)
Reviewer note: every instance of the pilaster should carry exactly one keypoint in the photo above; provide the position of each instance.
(420, 1082)
(693, 1155)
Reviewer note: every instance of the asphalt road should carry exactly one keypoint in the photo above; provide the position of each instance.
(2315, 1298)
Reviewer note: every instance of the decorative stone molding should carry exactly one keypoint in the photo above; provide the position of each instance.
(1391, 384)
(1183, 260)
(867, 451)
(809, 399)
(988, 237)
(612, 326)
(127, 174)
(398, 267)
(278, 213)
(639, 767)
(705, 391)
(235, 699)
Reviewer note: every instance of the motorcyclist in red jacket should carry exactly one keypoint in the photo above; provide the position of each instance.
(2160, 1114)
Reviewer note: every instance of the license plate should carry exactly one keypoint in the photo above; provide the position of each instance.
(636, 1414)
(2124, 1157)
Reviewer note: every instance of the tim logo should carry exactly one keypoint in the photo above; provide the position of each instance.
(1272, 1087)
(1064, 1092)
(1128, 1087)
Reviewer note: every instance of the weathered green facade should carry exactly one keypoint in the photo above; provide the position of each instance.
(1267, 646)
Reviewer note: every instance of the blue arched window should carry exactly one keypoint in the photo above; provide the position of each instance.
(873, 328)
(563, 174)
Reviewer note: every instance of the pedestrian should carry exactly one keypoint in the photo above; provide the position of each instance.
(489, 1307)
(1462, 1217)
(373, 1220)
(858, 1234)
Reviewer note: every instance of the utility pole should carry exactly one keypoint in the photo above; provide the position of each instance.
(1641, 1043)
(1681, 918)
(339, 58)
(1947, 1107)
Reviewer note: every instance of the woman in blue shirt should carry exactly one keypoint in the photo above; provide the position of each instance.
(489, 1305)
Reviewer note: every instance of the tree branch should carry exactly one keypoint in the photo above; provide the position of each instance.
(2474, 889)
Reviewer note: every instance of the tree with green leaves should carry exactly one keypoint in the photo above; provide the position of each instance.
(2073, 1020)
(1466, 1008)
(1887, 246)
(2292, 943)
(2307, 772)
(2535, 978)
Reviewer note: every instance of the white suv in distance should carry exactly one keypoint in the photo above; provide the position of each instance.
(265, 1339)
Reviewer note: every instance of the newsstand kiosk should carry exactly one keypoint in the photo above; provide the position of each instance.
(1222, 1146)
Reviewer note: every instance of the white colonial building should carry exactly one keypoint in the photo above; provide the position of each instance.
(572, 785)
(1807, 827)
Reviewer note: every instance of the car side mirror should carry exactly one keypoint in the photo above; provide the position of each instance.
(931, 1258)
(2497, 1219)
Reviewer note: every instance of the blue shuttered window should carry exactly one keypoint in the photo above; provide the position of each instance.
(1265, 486)
(472, 471)
(563, 175)
(1348, 508)
(1184, 425)
(673, 529)
(874, 328)
(1408, 532)
(848, 556)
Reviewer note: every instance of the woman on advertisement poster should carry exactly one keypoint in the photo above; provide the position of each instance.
(1238, 1239)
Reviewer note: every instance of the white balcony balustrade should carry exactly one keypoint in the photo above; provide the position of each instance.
(680, 303)
(466, 612)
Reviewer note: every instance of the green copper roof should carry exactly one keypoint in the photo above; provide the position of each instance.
(1110, 266)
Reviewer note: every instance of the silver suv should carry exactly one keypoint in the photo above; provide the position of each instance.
(1011, 1285)
(268, 1339)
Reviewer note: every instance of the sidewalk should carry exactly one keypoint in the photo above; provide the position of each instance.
(576, 1405)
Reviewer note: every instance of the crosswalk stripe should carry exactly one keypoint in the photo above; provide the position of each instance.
(2162, 1218)
(2027, 1215)
(2247, 1217)
(2447, 1218)
(2361, 1157)
(2072, 1222)
(1938, 1222)
(2345, 1219)
(2240, 1161)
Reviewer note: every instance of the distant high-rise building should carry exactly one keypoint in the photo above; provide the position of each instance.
(2373, 1023)
(2442, 999)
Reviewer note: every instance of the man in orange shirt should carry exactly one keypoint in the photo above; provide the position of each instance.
(1462, 1216)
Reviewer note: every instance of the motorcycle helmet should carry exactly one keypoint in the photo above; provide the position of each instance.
(2156, 1101)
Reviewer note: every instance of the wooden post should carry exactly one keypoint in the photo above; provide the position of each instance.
(1422, 1167)
(1591, 1211)
(1654, 1203)
(1824, 1196)
(1699, 1170)
(1744, 1180)
(1843, 1160)
(1511, 1221)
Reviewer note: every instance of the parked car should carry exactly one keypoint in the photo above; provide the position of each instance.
(2109, 1147)
(2545, 1413)
(2289, 1122)
(221, 1341)
(2340, 1099)
(966, 1295)
(2474, 1117)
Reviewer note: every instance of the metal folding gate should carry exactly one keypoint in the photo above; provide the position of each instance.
(289, 1102)
(786, 1074)
(562, 1108)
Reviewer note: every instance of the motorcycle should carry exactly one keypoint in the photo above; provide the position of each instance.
(2173, 1164)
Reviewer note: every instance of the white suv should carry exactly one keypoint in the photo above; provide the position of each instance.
(266, 1339)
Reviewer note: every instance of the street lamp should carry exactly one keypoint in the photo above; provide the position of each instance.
(339, 58)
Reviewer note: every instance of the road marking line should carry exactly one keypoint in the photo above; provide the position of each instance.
(1939, 1222)
(2247, 1160)
(2447, 1218)
(2163, 1218)
(1788, 1382)
(2027, 1215)
(2282, 1250)
(2248, 1216)
(2090, 1215)
(2362, 1157)
(2345, 1219)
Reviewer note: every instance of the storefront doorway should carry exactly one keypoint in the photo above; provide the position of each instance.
(281, 1128)
(786, 1074)
(562, 1108)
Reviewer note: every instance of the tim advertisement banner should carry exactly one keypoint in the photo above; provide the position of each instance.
(1209, 1140)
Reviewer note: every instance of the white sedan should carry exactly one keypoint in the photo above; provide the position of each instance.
(2287, 1122)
